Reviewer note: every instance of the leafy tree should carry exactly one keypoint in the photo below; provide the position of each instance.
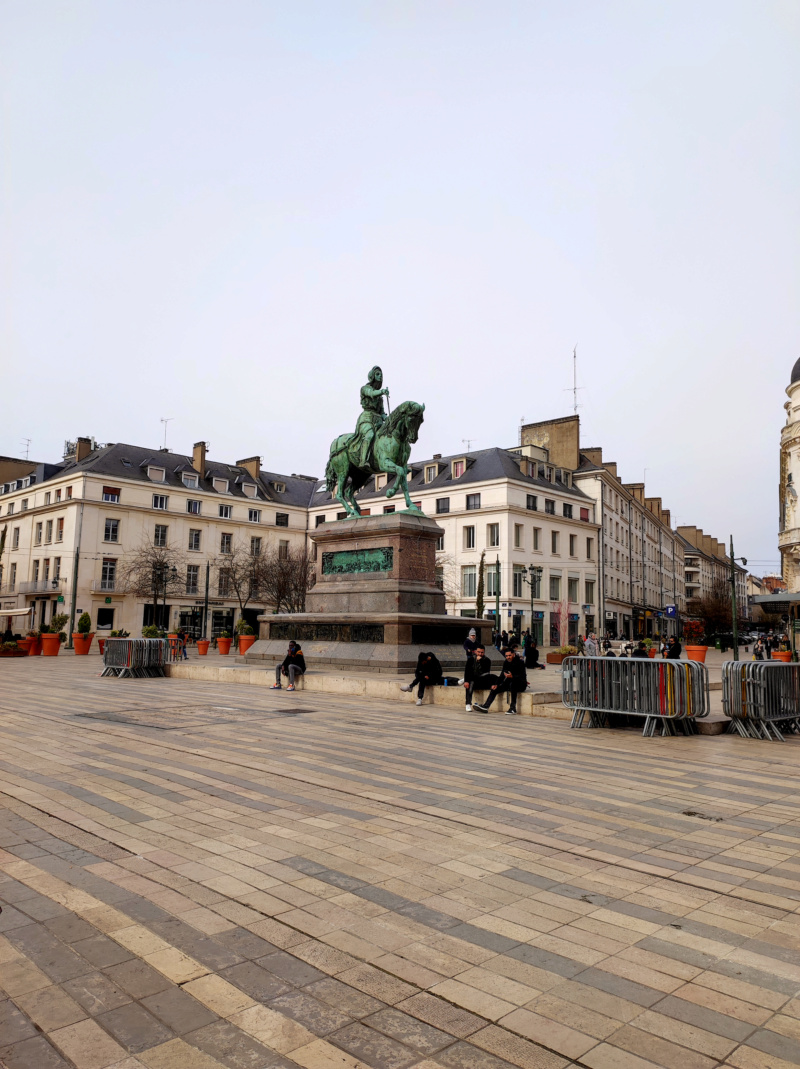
(479, 603)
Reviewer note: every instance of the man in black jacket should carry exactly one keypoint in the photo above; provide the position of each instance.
(476, 674)
(294, 664)
(512, 678)
(673, 648)
(640, 651)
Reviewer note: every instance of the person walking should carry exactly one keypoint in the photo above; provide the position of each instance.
(591, 645)
(477, 675)
(581, 646)
(428, 674)
(673, 649)
(294, 664)
(512, 679)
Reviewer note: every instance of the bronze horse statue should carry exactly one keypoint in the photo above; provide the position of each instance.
(390, 451)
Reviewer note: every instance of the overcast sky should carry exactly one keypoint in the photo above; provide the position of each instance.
(226, 212)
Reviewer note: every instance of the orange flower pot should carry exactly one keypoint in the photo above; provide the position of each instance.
(101, 642)
(245, 642)
(51, 645)
(224, 645)
(202, 646)
(651, 652)
(82, 642)
(696, 653)
(781, 655)
(555, 658)
(35, 648)
(25, 644)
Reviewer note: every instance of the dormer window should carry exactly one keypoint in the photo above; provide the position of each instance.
(380, 482)
(250, 489)
(458, 467)
(431, 471)
(157, 475)
(280, 488)
(189, 480)
(220, 485)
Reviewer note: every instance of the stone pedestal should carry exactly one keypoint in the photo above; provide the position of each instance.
(375, 603)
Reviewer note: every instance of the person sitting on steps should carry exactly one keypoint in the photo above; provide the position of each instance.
(512, 679)
(476, 674)
(294, 664)
(428, 674)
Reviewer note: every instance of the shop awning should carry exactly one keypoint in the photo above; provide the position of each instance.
(16, 612)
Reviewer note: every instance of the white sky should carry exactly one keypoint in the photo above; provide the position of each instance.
(226, 212)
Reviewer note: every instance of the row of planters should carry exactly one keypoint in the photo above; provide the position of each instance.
(246, 638)
(48, 640)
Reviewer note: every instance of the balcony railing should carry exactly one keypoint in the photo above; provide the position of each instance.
(108, 586)
(40, 586)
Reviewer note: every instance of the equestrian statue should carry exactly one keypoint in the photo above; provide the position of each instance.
(380, 443)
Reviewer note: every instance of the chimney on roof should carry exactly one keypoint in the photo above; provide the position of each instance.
(437, 456)
(83, 447)
(199, 458)
(251, 464)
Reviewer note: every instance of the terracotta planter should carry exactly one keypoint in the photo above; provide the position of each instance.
(51, 645)
(13, 653)
(101, 642)
(696, 653)
(781, 655)
(555, 658)
(245, 642)
(25, 644)
(224, 645)
(35, 647)
(202, 646)
(651, 652)
(82, 642)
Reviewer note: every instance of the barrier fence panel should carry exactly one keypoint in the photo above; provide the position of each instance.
(138, 658)
(762, 698)
(669, 694)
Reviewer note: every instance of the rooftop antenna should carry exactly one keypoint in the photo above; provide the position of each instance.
(575, 387)
(468, 442)
(27, 443)
(169, 419)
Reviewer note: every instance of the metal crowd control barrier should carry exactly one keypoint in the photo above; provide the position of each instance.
(669, 694)
(138, 658)
(762, 698)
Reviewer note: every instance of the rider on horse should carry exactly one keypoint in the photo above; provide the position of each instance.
(371, 419)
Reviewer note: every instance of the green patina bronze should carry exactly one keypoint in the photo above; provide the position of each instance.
(350, 561)
(379, 444)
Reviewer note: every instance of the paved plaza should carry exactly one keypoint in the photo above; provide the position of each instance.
(205, 875)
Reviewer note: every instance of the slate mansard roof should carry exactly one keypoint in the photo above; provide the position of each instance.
(482, 466)
(122, 461)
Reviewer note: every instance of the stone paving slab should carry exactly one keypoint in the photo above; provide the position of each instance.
(203, 874)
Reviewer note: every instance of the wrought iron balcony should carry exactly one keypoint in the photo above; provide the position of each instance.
(41, 586)
(108, 586)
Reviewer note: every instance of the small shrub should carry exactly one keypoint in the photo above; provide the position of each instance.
(244, 629)
(151, 631)
(84, 624)
(567, 651)
(58, 622)
(224, 634)
(693, 633)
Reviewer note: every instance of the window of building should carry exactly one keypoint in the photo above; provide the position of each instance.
(111, 531)
(549, 506)
(47, 498)
(11, 508)
(387, 509)
(589, 590)
(589, 548)
(36, 571)
(69, 493)
(518, 580)
(319, 520)
(572, 589)
(45, 571)
(223, 584)
(281, 519)
(58, 495)
(56, 567)
(254, 515)
(585, 515)
(532, 503)
(225, 512)
(255, 547)
(380, 482)
(518, 535)
(283, 550)
(567, 510)
(442, 504)
(111, 493)
(194, 538)
(469, 537)
(192, 578)
(473, 501)
(156, 475)
(108, 575)
(193, 507)
(458, 468)
(48, 531)
(24, 505)
(189, 480)
(341, 515)
(37, 540)
(225, 543)
(493, 534)
(12, 576)
(160, 535)
(492, 580)
(537, 538)
(15, 538)
(555, 588)
(250, 489)
(440, 542)
(280, 488)
(160, 502)
(469, 578)
(554, 541)
(431, 471)
(573, 545)
(220, 485)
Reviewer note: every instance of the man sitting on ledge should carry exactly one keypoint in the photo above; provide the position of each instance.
(512, 678)
(294, 664)
(476, 674)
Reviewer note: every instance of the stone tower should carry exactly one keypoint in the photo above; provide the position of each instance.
(789, 505)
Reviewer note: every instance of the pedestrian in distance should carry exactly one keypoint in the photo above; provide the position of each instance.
(581, 643)
(606, 644)
(591, 645)
(477, 675)
(758, 650)
(183, 638)
(532, 655)
(673, 649)
(641, 650)
(294, 665)
(428, 674)
(471, 642)
(512, 679)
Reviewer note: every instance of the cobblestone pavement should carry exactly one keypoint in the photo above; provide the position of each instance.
(199, 875)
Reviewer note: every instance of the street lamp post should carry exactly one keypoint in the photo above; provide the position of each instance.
(733, 601)
(533, 579)
(498, 626)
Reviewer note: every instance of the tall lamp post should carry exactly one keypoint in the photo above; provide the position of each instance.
(733, 602)
(498, 624)
(534, 581)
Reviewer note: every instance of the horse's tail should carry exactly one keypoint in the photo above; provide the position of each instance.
(330, 476)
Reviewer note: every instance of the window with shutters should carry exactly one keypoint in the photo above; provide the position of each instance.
(111, 493)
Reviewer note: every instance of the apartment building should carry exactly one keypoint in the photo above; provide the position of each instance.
(519, 512)
(707, 566)
(72, 528)
(641, 577)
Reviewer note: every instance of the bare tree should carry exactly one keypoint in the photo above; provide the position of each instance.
(560, 610)
(241, 574)
(286, 578)
(153, 572)
(448, 579)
